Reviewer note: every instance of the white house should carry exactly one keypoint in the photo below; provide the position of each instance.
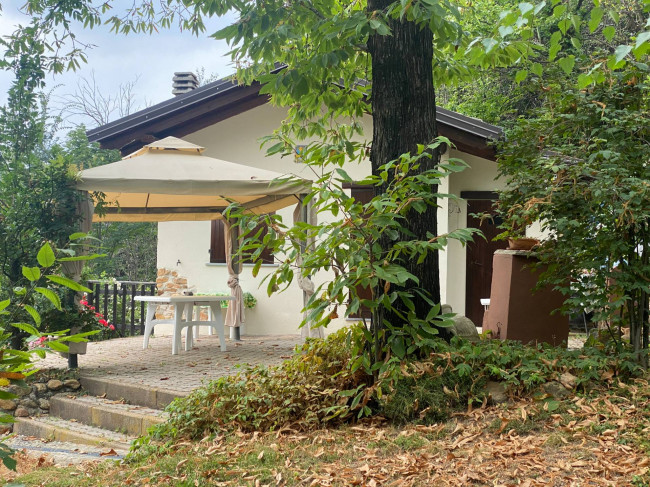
(228, 120)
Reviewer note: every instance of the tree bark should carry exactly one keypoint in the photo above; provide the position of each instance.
(404, 115)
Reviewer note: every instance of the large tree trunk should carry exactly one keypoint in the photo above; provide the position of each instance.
(404, 115)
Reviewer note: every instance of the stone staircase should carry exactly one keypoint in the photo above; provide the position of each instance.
(106, 414)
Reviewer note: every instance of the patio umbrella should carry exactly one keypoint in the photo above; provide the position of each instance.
(170, 180)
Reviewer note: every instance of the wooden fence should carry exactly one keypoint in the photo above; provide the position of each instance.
(116, 301)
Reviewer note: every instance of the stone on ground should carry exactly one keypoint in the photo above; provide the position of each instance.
(464, 328)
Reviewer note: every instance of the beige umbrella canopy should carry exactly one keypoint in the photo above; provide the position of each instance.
(170, 180)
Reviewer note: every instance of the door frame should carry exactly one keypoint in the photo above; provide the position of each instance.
(468, 196)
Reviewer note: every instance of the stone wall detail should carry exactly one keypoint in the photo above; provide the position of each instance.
(33, 399)
(170, 283)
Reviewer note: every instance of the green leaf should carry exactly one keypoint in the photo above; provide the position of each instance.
(559, 10)
(564, 25)
(489, 44)
(32, 273)
(521, 75)
(555, 37)
(621, 52)
(525, 7)
(609, 32)
(69, 283)
(584, 80)
(27, 328)
(6, 395)
(4, 304)
(575, 42)
(539, 7)
(50, 295)
(641, 38)
(552, 52)
(33, 313)
(45, 256)
(57, 346)
(77, 236)
(505, 31)
(595, 18)
(6, 455)
(536, 69)
(567, 63)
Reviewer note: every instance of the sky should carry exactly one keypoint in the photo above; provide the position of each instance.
(118, 59)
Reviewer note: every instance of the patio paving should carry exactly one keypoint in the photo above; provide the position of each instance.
(124, 360)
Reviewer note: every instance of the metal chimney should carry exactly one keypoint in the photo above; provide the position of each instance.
(184, 82)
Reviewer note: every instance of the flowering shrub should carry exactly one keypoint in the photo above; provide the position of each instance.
(100, 317)
(82, 318)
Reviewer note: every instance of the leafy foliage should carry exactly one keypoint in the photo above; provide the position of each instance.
(580, 168)
(20, 314)
(320, 386)
(304, 392)
(365, 246)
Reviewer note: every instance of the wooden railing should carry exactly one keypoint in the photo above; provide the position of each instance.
(116, 301)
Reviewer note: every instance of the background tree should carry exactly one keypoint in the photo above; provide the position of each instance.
(579, 164)
(130, 248)
(90, 105)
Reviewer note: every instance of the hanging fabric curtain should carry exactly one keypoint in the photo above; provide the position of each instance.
(235, 315)
(306, 213)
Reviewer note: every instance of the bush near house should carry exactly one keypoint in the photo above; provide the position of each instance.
(321, 386)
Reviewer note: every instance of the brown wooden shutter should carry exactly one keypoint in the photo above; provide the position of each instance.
(218, 246)
(267, 255)
(217, 242)
(363, 194)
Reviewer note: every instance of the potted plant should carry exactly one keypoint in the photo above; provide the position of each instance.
(75, 319)
(250, 301)
(515, 220)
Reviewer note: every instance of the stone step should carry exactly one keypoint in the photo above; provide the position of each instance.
(132, 393)
(114, 415)
(56, 429)
(63, 453)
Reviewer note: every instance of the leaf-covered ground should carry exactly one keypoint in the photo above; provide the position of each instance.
(597, 440)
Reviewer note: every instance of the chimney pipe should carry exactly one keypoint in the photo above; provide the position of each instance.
(184, 82)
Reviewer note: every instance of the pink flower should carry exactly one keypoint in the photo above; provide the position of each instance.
(103, 322)
(83, 302)
(111, 327)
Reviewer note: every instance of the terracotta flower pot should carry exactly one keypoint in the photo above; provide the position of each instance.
(522, 243)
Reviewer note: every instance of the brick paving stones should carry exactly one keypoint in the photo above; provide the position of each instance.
(124, 360)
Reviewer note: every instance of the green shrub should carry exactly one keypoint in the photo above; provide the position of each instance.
(323, 385)
(306, 391)
(455, 375)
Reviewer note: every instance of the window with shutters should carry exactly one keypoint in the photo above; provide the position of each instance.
(218, 245)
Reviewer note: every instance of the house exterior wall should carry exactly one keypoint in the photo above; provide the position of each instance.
(184, 246)
(480, 176)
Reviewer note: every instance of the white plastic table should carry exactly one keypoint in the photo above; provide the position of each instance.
(183, 308)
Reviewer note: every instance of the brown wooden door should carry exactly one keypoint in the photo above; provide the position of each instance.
(479, 259)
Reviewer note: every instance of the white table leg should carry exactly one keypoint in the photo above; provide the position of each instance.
(215, 311)
(148, 326)
(196, 316)
(210, 313)
(189, 335)
(178, 319)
